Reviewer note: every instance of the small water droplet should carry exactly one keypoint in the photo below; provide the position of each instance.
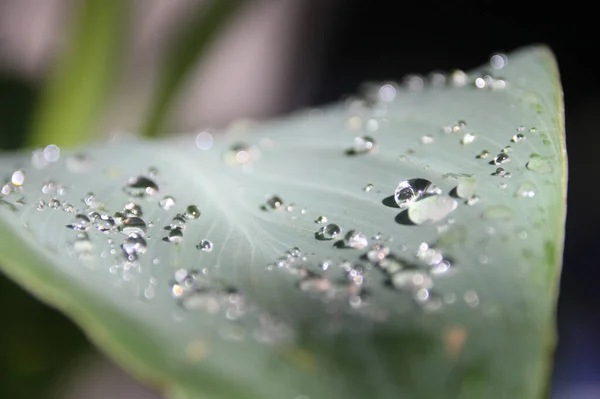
(49, 187)
(498, 61)
(104, 223)
(178, 222)
(204, 140)
(321, 219)
(502, 185)
(175, 235)
(329, 232)
(498, 212)
(472, 200)
(274, 202)
(500, 159)
(41, 205)
(466, 188)
(431, 209)
(290, 207)
(132, 209)
(54, 203)
(91, 201)
(518, 138)
(141, 186)
(167, 202)
(427, 139)
(483, 154)
(369, 187)
(82, 222)
(409, 191)
(356, 239)
(132, 225)
(240, 153)
(191, 212)
(18, 178)
(468, 138)
(205, 246)
(362, 145)
(411, 280)
(51, 153)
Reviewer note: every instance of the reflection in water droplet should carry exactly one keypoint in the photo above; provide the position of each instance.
(132, 225)
(409, 191)
(321, 219)
(191, 212)
(498, 212)
(132, 209)
(140, 186)
(368, 187)
(205, 246)
(356, 239)
(167, 202)
(104, 223)
(539, 164)
(362, 145)
(329, 232)
(48, 187)
(431, 209)
(175, 235)
(500, 159)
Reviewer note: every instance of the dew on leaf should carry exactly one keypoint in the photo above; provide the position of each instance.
(41, 205)
(377, 253)
(167, 202)
(191, 212)
(134, 244)
(178, 222)
(91, 201)
(132, 209)
(458, 78)
(49, 187)
(17, 178)
(104, 223)
(369, 187)
(410, 191)
(518, 138)
(81, 222)
(205, 246)
(427, 139)
(329, 232)
(431, 209)
(175, 235)
(472, 200)
(52, 153)
(141, 186)
(539, 164)
(321, 219)
(241, 154)
(467, 138)
(362, 145)
(483, 154)
(466, 188)
(274, 202)
(500, 159)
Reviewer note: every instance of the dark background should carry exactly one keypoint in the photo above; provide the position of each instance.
(356, 41)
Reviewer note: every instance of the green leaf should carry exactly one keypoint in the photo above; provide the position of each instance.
(186, 52)
(462, 306)
(83, 75)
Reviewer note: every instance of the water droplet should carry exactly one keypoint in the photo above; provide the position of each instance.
(377, 253)
(274, 202)
(518, 138)
(51, 153)
(411, 280)
(362, 145)
(458, 78)
(204, 140)
(409, 191)
(82, 222)
(6, 189)
(427, 139)
(526, 190)
(82, 246)
(132, 209)
(104, 223)
(241, 154)
(472, 200)
(192, 212)
(500, 159)
(290, 207)
(205, 246)
(369, 187)
(466, 188)
(321, 219)
(54, 203)
(18, 178)
(329, 232)
(167, 202)
(132, 225)
(539, 164)
(356, 239)
(498, 61)
(178, 222)
(468, 138)
(498, 212)
(507, 149)
(175, 235)
(48, 187)
(91, 201)
(140, 186)
(387, 92)
(483, 154)
(431, 209)
(133, 245)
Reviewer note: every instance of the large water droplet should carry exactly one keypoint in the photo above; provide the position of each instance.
(409, 191)
(205, 246)
(498, 61)
(167, 202)
(141, 186)
(539, 164)
(356, 239)
(329, 232)
(431, 209)
(192, 212)
(132, 225)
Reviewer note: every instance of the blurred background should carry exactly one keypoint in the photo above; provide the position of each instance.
(272, 57)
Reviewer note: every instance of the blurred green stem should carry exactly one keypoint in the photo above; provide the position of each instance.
(82, 76)
(193, 42)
